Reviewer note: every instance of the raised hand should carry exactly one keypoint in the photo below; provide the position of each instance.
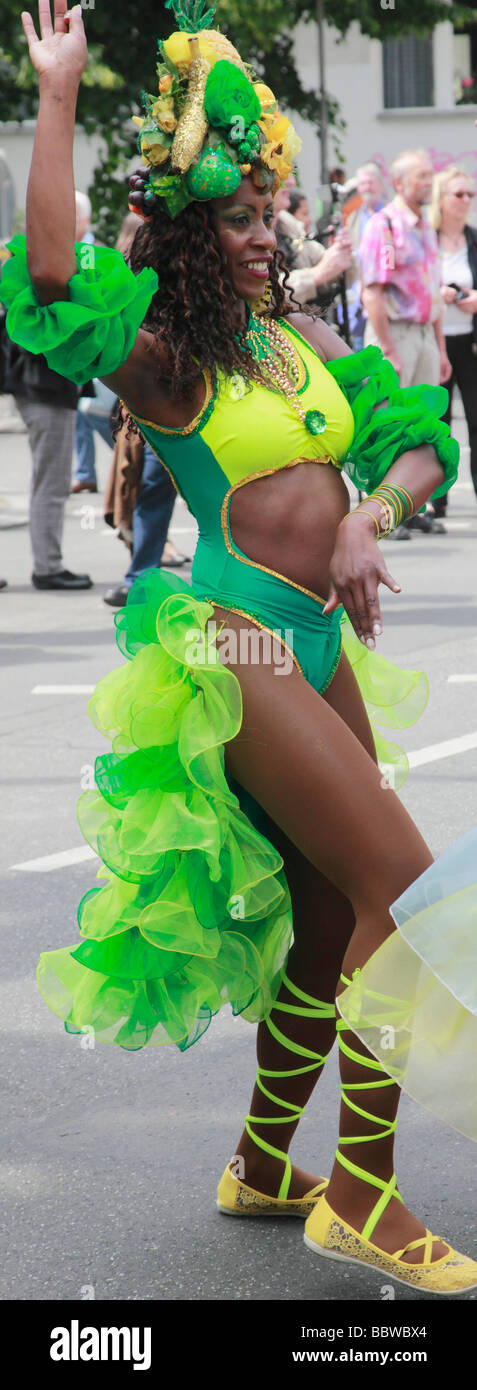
(62, 51)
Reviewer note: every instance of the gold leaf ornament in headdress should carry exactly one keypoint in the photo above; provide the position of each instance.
(210, 123)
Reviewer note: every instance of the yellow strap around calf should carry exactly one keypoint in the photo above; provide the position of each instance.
(388, 1189)
(315, 1008)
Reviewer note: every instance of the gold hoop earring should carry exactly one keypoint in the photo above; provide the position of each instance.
(262, 305)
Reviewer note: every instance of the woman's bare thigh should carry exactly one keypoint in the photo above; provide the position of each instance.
(310, 772)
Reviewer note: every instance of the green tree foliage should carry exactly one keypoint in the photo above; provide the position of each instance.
(122, 43)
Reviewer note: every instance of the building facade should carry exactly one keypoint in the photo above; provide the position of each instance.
(399, 94)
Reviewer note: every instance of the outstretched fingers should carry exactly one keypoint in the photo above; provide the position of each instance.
(44, 16)
(29, 28)
(61, 7)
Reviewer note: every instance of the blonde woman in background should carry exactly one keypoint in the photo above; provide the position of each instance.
(452, 196)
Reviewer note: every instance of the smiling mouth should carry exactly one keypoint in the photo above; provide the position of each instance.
(256, 267)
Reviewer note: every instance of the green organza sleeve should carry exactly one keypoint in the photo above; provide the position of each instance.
(91, 333)
(410, 418)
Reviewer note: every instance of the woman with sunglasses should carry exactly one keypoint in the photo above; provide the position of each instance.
(451, 203)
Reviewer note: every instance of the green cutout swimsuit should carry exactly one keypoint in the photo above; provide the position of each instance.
(242, 434)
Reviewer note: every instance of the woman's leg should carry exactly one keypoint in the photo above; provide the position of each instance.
(465, 374)
(295, 754)
(440, 504)
(323, 923)
(152, 515)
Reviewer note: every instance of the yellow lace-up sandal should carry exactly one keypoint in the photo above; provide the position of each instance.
(233, 1196)
(328, 1234)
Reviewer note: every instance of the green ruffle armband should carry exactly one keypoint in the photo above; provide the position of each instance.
(91, 333)
(410, 418)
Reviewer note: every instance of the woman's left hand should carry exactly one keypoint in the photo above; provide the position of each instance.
(356, 569)
(445, 368)
(469, 304)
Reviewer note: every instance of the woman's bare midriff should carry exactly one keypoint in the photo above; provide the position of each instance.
(288, 521)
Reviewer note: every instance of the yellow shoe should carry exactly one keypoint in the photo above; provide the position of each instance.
(327, 1234)
(236, 1199)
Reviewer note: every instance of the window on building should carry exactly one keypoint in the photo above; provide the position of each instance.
(408, 72)
(465, 64)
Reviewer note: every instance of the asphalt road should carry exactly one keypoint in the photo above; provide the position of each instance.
(109, 1161)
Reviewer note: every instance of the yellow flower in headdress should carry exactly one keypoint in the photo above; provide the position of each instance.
(291, 145)
(163, 112)
(281, 147)
(272, 151)
(153, 152)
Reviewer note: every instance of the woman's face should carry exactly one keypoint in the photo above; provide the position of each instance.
(244, 224)
(457, 198)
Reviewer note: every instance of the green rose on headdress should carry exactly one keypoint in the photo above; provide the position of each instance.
(229, 97)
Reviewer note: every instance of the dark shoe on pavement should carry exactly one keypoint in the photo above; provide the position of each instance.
(400, 534)
(419, 523)
(84, 487)
(117, 597)
(3, 584)
(64, 579)
(437, 527)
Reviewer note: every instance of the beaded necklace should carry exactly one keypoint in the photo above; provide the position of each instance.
(277, 357)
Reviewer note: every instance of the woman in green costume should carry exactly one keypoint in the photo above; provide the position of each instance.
(252, 850)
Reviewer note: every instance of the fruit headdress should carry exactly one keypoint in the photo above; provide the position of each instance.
(211, 123)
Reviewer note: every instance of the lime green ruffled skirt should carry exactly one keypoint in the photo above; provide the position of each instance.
(193, 910)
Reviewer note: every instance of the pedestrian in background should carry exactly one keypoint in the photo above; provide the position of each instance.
(311, 266)
(452, 196)
(401, 288)
(93, 415)
(370, 193)
(47, 404)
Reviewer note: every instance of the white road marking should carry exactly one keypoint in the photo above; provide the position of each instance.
(62, 690)
(56, 861)
(435, 751)
(459, 679)
(64, 858)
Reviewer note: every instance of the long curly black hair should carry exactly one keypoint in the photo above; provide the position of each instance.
(194, 308)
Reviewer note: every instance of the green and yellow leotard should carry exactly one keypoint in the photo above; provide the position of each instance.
(241, 434)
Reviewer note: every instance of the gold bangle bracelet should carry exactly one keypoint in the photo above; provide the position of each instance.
(390, 515)
(371, 514)
(394, 492)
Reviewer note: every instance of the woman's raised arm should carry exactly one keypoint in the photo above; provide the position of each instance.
(59, 57)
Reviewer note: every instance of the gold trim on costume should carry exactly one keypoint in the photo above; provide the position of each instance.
(258, 623)
(164, 465)
(227, 534)
(334, 668)
(193, 424)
